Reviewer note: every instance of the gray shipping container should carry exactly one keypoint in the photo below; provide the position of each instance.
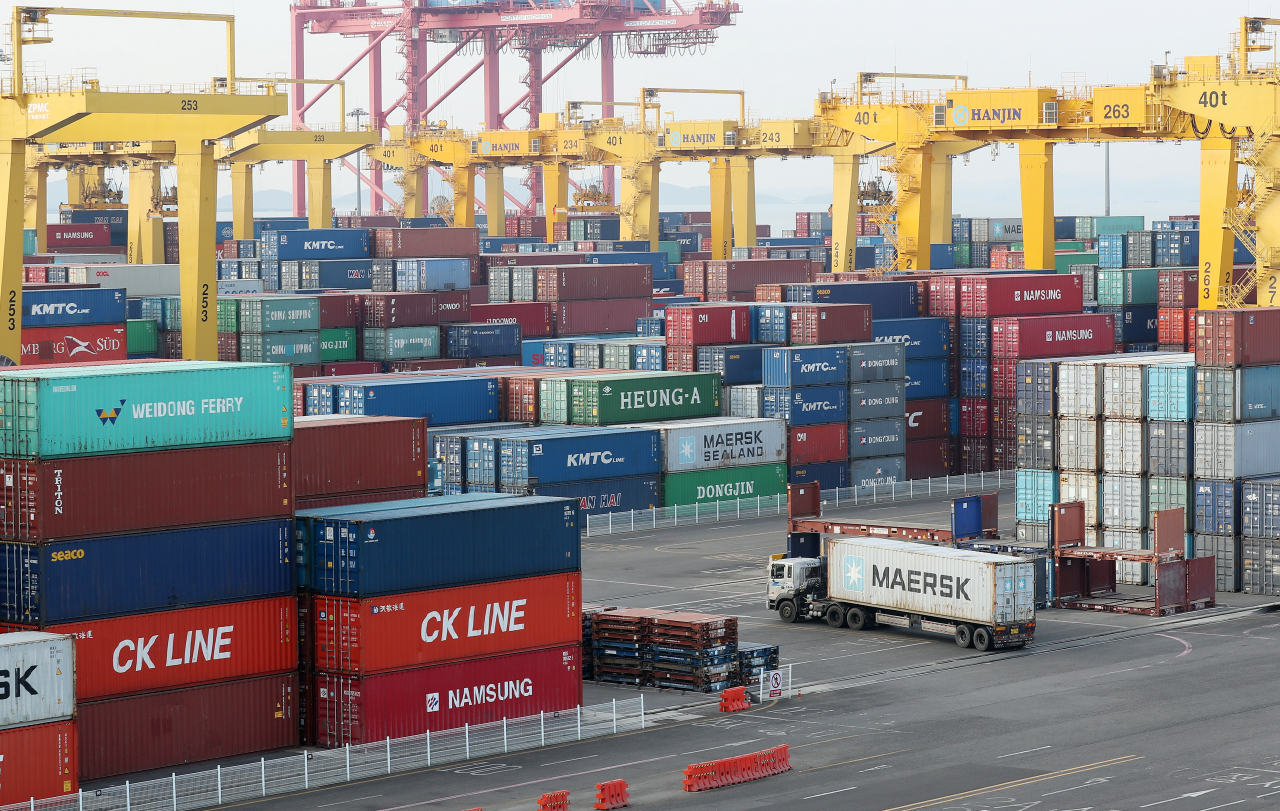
(877, 399)
(1123, 501)
(1260, 507)
(1079, 444)
(1236, 451)
(1226, 548)
(1080, 486)
(1080, 388)
(43, 667)
(1234, 395)
(1124, 447)
(1169, 449)
(1036, 442)
(1130, 574)
(877, 362)
(1165, 493)
(1032, 533)
(746, 401)
(871, 438)
(1260, 566)
(877, 471)
(1124, 390)
(1089, 275)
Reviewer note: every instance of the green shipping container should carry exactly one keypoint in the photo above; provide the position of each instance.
(1165, 493)
(553, 401)
(337, 344)
(643, 397)
(960, 254)
(1068, 245)
(617, 356)
(1084, 228)
(672, 250)
(1062, 262)
(293, 348)
(77, 411)
(279, 314)
(723, 484)
(228, 314)
(1116, 225)
(141, 336)
(1122, 287)
(402, 343)
(30, 242)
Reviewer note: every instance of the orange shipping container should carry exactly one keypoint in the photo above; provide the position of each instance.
(38, 761)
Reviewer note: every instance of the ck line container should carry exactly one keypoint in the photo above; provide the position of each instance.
(43, 671)
(724, 484)
(719, 442)
(598, 496)
(1227, 451)
(441, 400)
(556, 457)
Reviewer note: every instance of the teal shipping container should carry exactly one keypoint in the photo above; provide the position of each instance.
(1123, 287)
(294, 348)
(1037, 489)
(1116, 225)
(1171, 391)
(279, 314)
(401, 343)
(86, 411)
(30, 246)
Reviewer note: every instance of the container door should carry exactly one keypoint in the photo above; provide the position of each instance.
(1006, 591)
(1025, 593)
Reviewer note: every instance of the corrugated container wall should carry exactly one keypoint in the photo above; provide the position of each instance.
(43, 667)
(39, 761)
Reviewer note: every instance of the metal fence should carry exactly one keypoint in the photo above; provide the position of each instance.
(762, 506)
(219, 786)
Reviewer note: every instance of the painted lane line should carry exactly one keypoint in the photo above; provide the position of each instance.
(1183, 797)
(864, 653)
(1186, 646)
(978, 792)
(1024, 752)
(1224, 805)
(721, 746)
(355, 800)
(824, 794)
(1096, 781)
(570, 760)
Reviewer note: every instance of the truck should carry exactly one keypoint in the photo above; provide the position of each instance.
(984, 601)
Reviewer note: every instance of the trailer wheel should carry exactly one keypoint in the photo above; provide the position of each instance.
(787, 611)
(835, 616)
(857, 619)
(964, 635)
(982, 639)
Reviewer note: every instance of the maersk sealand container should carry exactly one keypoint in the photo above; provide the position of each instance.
(85, 411)
(73, 306)
(150, 571)
(365, 554)
(441, 400)
(555, 457)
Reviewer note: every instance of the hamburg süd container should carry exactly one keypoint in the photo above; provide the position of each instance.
(568, 455)
(1224, 394)
(724, 484)
(379, 634)
(96, 342)
(877, 361)
(873, 400)
(878, 471)
(80, 411)
(73, 305)
(1016, 294)
(1244, 337)
(279, 313)
(807, 405)
(1048, 336)
(39, 761)
(43, 670)
(357, 454)
(441, 400)
(605, 495)
(356, 710)
(923, 337)
(808, 444)
(805, 366)
(614, 399)
(1235, 451)
(869, 438)
(719, 442)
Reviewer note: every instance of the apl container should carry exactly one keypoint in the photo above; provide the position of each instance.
(296, 348)
(807, 405)
(614, 399)
(441, 400)
(1169, 448)
(1260, 507)
(1225, 451)
(873, 400)
(806, 366)
(719, 442)
(1224, 394)
(922, 337)
(556, 457)
(39, 761)
(43, 671)
(1245, 337)
(599, 496)
(928, 378)
(870, 438)
(724, 484)
(73, 306)
(1217, 506)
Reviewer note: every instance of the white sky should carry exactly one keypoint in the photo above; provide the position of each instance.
(781, 52)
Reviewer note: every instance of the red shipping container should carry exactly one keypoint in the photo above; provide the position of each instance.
(480, 292)
(1172, 325)
(168, 649)
(682, 359)
(169, 345)
(591, 317)
(1244, 337)
(408, 243)
(975, 454)
(1015, 294)
(511, 227)
(694, 273)
(91, 496)
(1004, 418)
(490, 363)
(928, 458)
(807, 444)
(347, 499)
(1004, 378)
(927, 419)
(816, 324)
(339, 310)
(944, 296)
(594, 282)
(691, 325)
(975, 417)
(39, 761)
(536, 318)
(438, 697)
(1178, 287)
(43, 345)
(742, 275)
(453, 306)
(229, 346)
(1054, 336)
(78, 236)
(494, 260)
(310, 370)
(35, 273)
(401, 309)
(427, 364)
(560, 232)
(1004, 454)
(352, 367)
(378, 634)
(1191, 330)
(174, 727)
(358, 454)
(771, 292)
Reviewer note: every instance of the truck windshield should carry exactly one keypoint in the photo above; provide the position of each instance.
(777, 571)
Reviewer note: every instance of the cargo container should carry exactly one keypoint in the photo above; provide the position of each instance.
(824, 475)
(809, 366)
(1217, 506)
(821, 324)
(385, 546)
(70, 306)
(615, 316)
(401, 309)
(926, 458)
(430, 699)
(582, 282)
(1124, 446)
(975, 337)
(975, 377)
(1136, 324)
(1226, 550)
(639, 397)
(317, 243)
(1260, 507)
(708, 325)
(807, 405)
(1036, 440)
(975, 416)
(44, 669)
(1259, 573)
(1165, 493)
(483, 340)
(408, 242)
(1052, 336)
(599, 496)
(818, 443)
(189, 725)
(1129, 286)
(1245, 337)
(719, 442)
(1123, 501)
(1081, 486)
(1235, 395)
(884, 361)
(1014, 294)
(326, 274)
(1178, 287)
(536, 319)
(556, 457)
(94, 342)
(724, 484)
(297, 348)
(878, 471)
(402, 343)
(1236, 451)
(926, 418)
(873, 400)
(1036, 491)
(928, 378)
(277, 313)
(736, 363)
(357, 454)
(1171, 391)
(897, 299)
(441, 400)
(39, 761)
(421, 275)
(1079, 443)
(1169, 448)
(337, 345)
(922, 337)
(883, 437)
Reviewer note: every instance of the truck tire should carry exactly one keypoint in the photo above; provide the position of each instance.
(983, 640)
(857, 619)
(787, 611)
(835, 615)
(964, 635)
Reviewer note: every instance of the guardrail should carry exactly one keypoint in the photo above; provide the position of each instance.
(765, 506)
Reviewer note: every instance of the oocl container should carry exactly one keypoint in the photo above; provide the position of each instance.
(1053, 336)
(39, 681)
(719, 442)
(39, 761)
(724, 484)
(1245, 337)
(615, 399)
(357, 454)
(1015, 294)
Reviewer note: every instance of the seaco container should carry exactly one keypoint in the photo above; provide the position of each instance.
(719, 442)
(164, 649)
(441, 400)
(615, 399)
(805, 366)
(357, 454)
(378, 634)
(208, 721)
(90, 496)
(42, 688)
(73, 306)
(923, 337)
(387, 548)
(572, 455)
(808, 444)
(807, 405)
(869, 438)
(1225, 451)
(39, 761)
(724, 484)
(1052, 336)
(1244, 337)
(66, 581)
(703, 325)
(81, 411)
(355, 710)
(1016, 294)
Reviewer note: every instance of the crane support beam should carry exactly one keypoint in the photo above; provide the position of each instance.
(640, 189)
(319, 194)
(415, 191)
(198, 193)
(36, 209)
(1035, 160)
(242, 200)
(146, 224)
(914, 209)
(13, 168)
(940, 197)
(555, 191)
(844, 213)
(495, 201)
(1218, 178)
(743, 171)
(721, 208)
(464, 196)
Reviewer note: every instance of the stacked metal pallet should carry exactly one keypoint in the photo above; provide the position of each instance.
(618, 639)
(588, 615)
(688, 651)
(754, 660)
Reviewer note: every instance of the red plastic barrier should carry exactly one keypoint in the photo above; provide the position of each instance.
(734, 699)
(612, 794)
(740, 769)
(554, 801)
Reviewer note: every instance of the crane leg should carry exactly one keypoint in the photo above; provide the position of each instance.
(415, 191)
(241, 200)
(555, 195)
(743, 171)
(1035, 159)
(940, 197)
(464, 196)
(639, 202)
(36, 210)
(495, 201)
(13, 168)
(319, 195)
(1218, 170)
(721, 209)
(844, 213)
(914, 207)
(198, 269)
(146, 233)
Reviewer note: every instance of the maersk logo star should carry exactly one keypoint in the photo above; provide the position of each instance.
(686, 449)
(853, 573)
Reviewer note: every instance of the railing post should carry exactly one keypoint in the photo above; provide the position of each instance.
(837, 496)
(347, 748)
(504, 734)
(175, 792)
(633, 520)
(466, 734)
(428, 747)
(610, 523)
(642, 710)
(579, 722)
(128, 802)
(873, 492)
(306, 770)
(80, 792)
(615, 709)
(654, 512)
(675, 514)
(542, 725)
(696, 508)
(790, 689)
(388, 754)
(717, 513)
(264, 776)
(757, 506)
(219, 785)
(911, 489)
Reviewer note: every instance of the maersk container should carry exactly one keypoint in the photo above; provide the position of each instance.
(873, 400)
(483, 340)
(975, 337)
(318, 243)
(72, 306)
(878, 471)
(294, 348)
(922, 337)
(279, 313)
(1260, 507)
(724, 484)
(885, 361)
(805, 366)
(555, 457)
(44, 671)
(1123, 501)
(869, 438)
(66, 581)
(1169, 448)
(1036, 490)
(1171, 391)
(928, 378)
(1122, 288)
(1079, 443)
(615, 399)
(737, 364)
(81, 411)
(606, 495)
(975, 377)
(1217, 506)
(827, 475)
(1224, 394)
(401, 343)
(364, 551)
(719, 442)
(1124, 446)
(807, 405)
(1225, 451)
(441, 400)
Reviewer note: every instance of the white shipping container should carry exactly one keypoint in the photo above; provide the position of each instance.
(1079, 444)
(1074, 486)
(1124, 447)
(89, 259)
(1080, 388)
(137, 280)
(1123, 390)
(39, 678)
(1234, 451)
(719, 442)
(1124, 501)
(1128, 573)
(935, 581)
(746, 401)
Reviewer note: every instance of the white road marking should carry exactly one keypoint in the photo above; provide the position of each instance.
(1025, 751)
(1183, 797)
(863, 653)
(824, 794)
(721, 746)
(356, 800)
(570, 760)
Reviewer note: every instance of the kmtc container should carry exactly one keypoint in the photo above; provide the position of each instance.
(704, 325)
(39, 761)
(724, 484)
(1052, 336)
(67, 581)
(922, 337)
(1015, 294)
(73, 305)
(279, 313)
(1124, 446)
(639, 397)
(736, 363)
(483, 340)
(1236, 451)
(1037, 490)
(43, 670)
(884, 398)
(296, 348)
(1169, 448)
(928, 378)
(719, 442)
(1260, 507)
(1237, 395)
(869, 438)
(1124, 501)
(351, 710)
(1245, 337)
(1121, 288)
(402, 343)
(317, 243)
(441, 400)
(555, 457)
(885, 361)
(1171, 391)
(379, 634)
(360, 551)
(80, 411)
(357, 455)
(166, 649)
(806, 366)
(807, 405)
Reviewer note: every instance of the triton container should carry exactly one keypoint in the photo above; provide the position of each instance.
(401, 343)
(295, 348)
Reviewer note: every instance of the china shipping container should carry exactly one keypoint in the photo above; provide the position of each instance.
(43, 345)
(44, 668)
(822, 324)
(720, 442)
(1226, 451)
(298, 348)
(278, 313)
(1245, 337)
(441, 400)
(818, 443)
(584, 283)
(401, 343)
(923, 337)
(1052, 336)
(535, 318)
(724, 484)
(876, 399)
(927, 419)
(1002, 295)
(358, 454)
(39, 761)
(189, 725)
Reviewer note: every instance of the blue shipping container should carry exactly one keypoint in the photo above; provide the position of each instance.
(345, 274)
(874, 361)
(929, 378)
(773, 323)
(367, 552)
(1113, 249)
(805, 366)
(441, 400)
(607, 495)
(559, 456)
(645, 328)
(828, 475)
(737, 364)
(876, 399)
(953, 406)
(656, 259)
(942, 256)
(1136, 324)
(86, 578)
(1171, 391)
(671, 287)
(975, 377)
(483, 340)
(318, 243)
(1217, 506)
(428, 275)
(807, 405)
(1258, 392)
(923, 337)
(74, 306)
(1037, 489)
(877, 472)
(887, 299)
(975, 337)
